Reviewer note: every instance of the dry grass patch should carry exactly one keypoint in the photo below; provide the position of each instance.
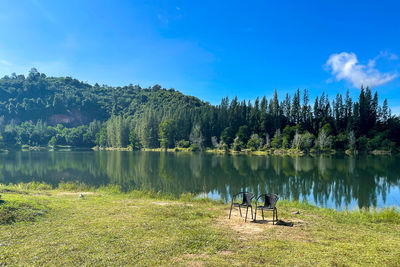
(73, 193)
(170, 203)
(259, 230)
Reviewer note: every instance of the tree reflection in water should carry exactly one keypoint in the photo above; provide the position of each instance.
(328, 181)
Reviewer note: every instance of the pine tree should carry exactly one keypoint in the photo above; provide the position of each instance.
(296, 110)
(385, 112)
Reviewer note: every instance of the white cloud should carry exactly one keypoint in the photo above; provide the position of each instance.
(345, 66)
(383, 54)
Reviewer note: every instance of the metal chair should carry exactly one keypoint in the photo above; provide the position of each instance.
(269, 204)
(246, 202)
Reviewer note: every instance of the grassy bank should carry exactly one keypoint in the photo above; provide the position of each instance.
(104, 227)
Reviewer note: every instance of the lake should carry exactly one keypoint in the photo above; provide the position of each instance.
(337, 182)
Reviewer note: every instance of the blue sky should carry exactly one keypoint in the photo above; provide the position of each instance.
(209, 49)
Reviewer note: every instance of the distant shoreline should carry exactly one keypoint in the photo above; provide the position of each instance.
(282, 152)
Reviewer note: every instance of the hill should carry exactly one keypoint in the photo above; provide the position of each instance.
(71, 102)
(39, 111)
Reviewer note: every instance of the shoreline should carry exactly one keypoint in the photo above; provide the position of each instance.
(282, 152)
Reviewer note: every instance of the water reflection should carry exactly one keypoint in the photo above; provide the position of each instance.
(328, 181)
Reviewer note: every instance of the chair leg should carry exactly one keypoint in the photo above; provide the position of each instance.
(247, 210)
(262, 211)
(255, 215)
(240, 212)
(230, 211)
(273, 216)
(251, 207)
(276, 214)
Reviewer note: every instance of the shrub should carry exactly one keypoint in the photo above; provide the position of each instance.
(194, 148)
(277, 140)
(324, 141)
(237, 144)
(362, 143)
(183, 144)
(34, 186)
(73, 186)
(254, 142)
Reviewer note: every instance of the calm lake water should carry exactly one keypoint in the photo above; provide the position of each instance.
(327, 181)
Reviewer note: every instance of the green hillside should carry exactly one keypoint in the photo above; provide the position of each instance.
(71, 102)
(56, 111)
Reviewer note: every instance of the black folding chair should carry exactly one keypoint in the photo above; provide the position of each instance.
(269, 204)
(246, 202)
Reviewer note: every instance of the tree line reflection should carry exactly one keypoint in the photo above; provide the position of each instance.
(329, 181)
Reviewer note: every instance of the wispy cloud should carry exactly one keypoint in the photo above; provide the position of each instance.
(163, 19)
(384, 55)
(345, 66)
(5, 62)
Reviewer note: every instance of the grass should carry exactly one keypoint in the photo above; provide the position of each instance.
(105, 227)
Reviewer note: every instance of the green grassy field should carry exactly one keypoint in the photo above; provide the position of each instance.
(42, 226)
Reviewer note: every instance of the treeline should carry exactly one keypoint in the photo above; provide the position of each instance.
(40, 111)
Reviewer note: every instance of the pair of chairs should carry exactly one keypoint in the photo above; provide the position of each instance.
(269, 204)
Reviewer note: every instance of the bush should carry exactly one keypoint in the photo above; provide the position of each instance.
(276, 142)
(227, 135)
(285, 142)
(194, 148)
(183, 144)
(324, 141)
(237, 144)
(223, 146)
(73, 186)
(362, 143)
(388, 145)
(34, 186)
(243, 134)
(340, 141)
(254, 142)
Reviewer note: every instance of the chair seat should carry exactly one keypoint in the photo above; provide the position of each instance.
(264, 208)
(241, 204)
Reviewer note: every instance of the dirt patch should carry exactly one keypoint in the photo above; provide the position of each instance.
(162, 203)
(245, 230)
(251, 230)
(227, 252)
(190, 259)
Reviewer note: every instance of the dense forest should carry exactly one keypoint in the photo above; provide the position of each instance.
(54, 111)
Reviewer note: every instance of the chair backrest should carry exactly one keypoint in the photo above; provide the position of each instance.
(247, 197)
(270, 200)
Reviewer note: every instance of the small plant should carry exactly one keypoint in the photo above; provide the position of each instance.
(194, 148)
(254, 142)
(183, 144)
(237, 144)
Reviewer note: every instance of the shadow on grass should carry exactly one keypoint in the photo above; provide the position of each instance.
(279, 222)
